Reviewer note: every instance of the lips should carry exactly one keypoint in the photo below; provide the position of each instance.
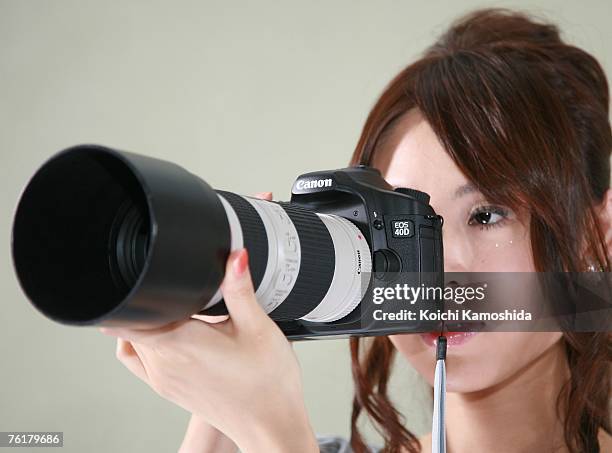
(456, 333)
(453, 339)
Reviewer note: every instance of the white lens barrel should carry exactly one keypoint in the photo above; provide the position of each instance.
(351, 255)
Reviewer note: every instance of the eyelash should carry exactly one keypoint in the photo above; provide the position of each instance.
(503, 213)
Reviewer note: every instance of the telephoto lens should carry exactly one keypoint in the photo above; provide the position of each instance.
(107, 237)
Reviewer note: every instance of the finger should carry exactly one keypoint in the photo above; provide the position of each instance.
(264, 195)
(238, 292)
(148, 336)
(127, 355)
(221, 323)
(167, 336)
(211, 319)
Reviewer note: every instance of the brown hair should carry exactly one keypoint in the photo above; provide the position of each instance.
(524, 116)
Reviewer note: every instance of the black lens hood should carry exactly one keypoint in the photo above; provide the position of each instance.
(64, 215)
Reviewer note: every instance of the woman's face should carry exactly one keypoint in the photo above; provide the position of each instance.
(478, 237)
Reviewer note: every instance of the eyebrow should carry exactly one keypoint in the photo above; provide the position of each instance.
(464, 190)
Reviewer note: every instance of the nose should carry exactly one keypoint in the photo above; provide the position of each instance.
(458, 255)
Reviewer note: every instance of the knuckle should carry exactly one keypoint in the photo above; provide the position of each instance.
(120, 352)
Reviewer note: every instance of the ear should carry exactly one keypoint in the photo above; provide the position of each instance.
(605, 217)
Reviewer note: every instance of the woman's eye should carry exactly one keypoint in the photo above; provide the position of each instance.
(488, 216)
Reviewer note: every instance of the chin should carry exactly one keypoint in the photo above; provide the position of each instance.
(478, 363)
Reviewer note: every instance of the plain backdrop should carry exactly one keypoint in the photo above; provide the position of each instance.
(245, 94)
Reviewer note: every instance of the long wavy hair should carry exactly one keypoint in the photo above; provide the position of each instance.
(524, 116)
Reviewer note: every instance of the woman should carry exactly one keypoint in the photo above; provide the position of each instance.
(508, 127)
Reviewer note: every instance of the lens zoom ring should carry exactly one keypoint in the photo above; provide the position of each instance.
(317, 264)
(253, 233)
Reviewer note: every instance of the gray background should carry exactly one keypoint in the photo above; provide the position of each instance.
(245, 94)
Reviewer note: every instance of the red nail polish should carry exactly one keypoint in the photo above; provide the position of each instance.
(241, 263)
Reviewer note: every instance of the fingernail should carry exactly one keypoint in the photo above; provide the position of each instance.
(241, 262)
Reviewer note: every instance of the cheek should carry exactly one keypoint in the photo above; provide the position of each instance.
(507, 253)
(469, 248)
(495, 357)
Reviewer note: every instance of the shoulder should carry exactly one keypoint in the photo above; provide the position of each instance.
(605, 442)
(337, 444)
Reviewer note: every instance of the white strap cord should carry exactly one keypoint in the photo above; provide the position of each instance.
(438, 432)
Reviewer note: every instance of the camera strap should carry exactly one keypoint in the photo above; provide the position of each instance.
(438, 434)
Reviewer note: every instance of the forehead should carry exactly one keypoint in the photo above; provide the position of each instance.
(412, 156)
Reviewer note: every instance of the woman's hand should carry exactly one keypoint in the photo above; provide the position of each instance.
(240, 375)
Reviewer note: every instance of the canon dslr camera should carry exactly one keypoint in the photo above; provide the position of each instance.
(105, 237)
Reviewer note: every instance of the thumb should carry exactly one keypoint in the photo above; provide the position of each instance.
(238, 292)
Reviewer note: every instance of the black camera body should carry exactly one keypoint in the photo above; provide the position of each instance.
(402, 229)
